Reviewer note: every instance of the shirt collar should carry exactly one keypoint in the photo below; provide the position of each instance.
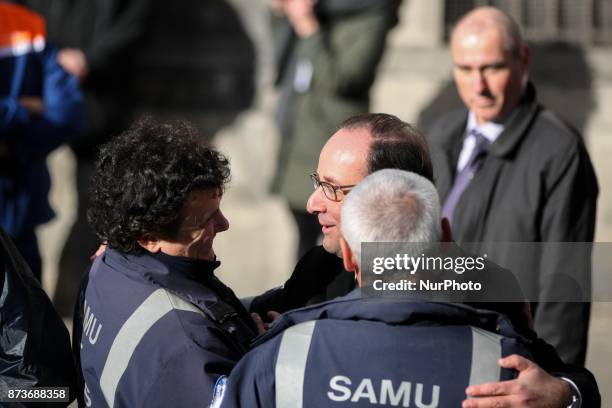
(490, 130)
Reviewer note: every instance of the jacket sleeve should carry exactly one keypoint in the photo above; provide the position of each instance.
(189, 375)
(313, 272)
(13, 116)
(345, 53)
(546, 357)
(63, 117)
(565, 273)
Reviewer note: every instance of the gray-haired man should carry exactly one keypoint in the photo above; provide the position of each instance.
(405, 353)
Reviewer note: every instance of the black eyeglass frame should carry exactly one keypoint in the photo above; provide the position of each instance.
(329, 188)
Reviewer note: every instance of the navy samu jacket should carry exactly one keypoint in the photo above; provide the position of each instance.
(352, 352)
(158, 331)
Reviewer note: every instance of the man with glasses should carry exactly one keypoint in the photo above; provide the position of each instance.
(431, 362)
(364, 144)
(326, 56)
(331, 191)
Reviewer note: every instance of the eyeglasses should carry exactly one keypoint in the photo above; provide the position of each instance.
(329, 190)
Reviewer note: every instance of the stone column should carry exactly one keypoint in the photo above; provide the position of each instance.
(421, 25)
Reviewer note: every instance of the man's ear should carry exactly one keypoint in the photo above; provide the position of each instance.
(150, 244)
(447, 234)
(347, 256)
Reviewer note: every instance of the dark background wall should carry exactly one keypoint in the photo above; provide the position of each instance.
(196, 61)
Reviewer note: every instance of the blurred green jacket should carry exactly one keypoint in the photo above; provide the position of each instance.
(324, 79)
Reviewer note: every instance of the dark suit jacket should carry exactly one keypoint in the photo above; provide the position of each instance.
(536, 184)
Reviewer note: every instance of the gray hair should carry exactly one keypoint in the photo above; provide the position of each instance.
(391, 205)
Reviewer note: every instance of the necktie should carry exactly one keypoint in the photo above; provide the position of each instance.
(463, 178)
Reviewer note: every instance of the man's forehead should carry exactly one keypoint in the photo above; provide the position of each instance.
(490, 38)
(343, 174)
(342, 178)
(343, 159)
(203, 200)
(198, 195)
(346, 143)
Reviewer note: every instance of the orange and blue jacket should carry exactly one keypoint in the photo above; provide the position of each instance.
(29, 68)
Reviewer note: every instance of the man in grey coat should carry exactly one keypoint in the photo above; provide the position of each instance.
(509, 170)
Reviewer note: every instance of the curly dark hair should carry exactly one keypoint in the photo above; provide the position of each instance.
(143, 178)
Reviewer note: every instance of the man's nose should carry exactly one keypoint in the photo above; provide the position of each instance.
(479, 82)
(221, 223)
(316, 202)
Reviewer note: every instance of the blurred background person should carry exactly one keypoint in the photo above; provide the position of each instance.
(327, 56)
(41, 108)
(510, 170)
(187, 59)
(97, 41)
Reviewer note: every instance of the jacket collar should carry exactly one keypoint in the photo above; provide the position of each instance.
(188, 280)
(354, 307)
(519, 120)
(514, 131)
